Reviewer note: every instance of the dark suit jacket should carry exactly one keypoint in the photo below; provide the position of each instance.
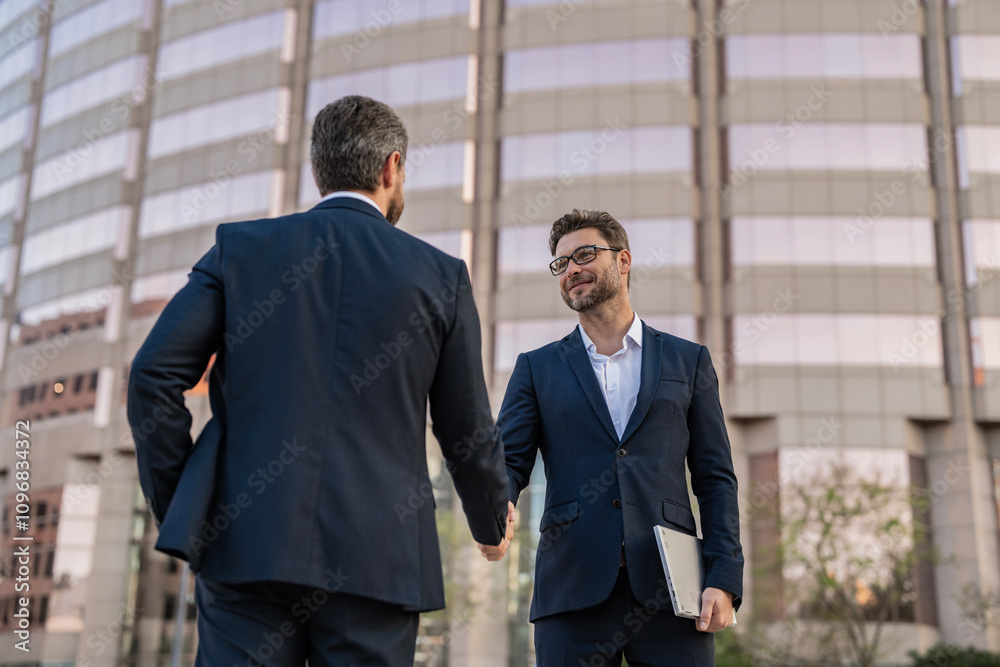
(332, 329)
(601, 492)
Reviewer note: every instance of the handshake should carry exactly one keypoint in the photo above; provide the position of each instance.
(497, 552)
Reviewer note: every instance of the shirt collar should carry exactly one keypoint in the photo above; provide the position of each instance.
(353, 195)
(633, 334)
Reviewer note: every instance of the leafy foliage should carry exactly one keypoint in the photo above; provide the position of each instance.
(950, 655)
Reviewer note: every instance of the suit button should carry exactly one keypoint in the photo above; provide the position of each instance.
(621, 453)
(616, 503)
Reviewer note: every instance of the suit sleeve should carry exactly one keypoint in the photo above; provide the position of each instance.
(713, 480)
(463, 422)
(172, 360)
(520, 425)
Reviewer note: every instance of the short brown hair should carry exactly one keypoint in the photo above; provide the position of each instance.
(612, 231)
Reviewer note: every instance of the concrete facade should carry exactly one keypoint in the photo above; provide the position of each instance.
(811, 189)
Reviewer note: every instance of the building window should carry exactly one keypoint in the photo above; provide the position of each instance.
(825, 146)
(234, 40)
(402, 85)
(90, 90)
(86, 24)
(978, 150)
(169, 607)
(213, 123)
(108, 155)
(824, 56)
(601, 151)
(345, 17)
(87, 235)
(831, 241)
(27, 395)
(977, 57)
(847, 339)
(613, 63)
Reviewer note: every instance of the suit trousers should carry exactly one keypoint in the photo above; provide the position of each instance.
(276, 624)
(646, 633)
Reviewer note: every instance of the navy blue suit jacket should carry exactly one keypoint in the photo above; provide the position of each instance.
(602, 493)
(331, 329)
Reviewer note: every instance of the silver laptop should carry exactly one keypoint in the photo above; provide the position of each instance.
(680, 554)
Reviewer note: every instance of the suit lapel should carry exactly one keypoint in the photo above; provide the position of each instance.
(579, 361)
(649, 379)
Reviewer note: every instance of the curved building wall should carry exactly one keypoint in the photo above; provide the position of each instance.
(810, 188)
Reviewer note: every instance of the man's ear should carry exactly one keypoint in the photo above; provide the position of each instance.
(391, 170)
(625, 260)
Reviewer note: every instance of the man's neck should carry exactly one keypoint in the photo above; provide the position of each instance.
(380, 198)
(608, 325)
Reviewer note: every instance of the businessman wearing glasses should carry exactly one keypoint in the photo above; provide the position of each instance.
(616, 409)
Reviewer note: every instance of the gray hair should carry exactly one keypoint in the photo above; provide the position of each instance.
(351, 140)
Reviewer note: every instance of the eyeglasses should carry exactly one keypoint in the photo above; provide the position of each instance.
(582, 255)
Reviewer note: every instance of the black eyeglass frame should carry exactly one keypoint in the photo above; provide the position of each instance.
(554, 269)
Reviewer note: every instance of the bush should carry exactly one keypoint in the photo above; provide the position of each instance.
(950, 655)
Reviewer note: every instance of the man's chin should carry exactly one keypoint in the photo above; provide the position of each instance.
(580, 305)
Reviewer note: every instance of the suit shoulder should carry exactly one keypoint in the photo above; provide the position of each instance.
(450, 262)
(258, 227)
(554, 350)
(424, 259)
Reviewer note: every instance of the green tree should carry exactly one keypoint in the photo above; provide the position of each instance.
(980, 608)
(850, 545)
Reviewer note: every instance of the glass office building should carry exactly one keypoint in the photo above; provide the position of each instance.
(811, 188)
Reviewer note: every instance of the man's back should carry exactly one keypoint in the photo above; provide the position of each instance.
(335, 327)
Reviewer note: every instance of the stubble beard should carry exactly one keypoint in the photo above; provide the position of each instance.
(605, 288)
(395, 209)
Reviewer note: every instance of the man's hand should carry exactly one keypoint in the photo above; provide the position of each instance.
(497, 552)
(716, 610)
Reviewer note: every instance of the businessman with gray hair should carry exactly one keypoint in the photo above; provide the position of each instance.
(288, 505)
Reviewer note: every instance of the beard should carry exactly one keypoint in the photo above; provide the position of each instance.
(395, 209)
(606, 287)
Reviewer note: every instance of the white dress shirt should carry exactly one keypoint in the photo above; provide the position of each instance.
(619, 374)
(353, 195)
